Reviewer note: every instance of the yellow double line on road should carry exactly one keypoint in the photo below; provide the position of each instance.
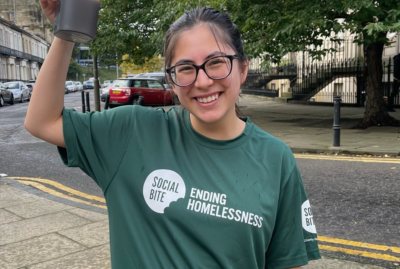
(347, 158)
(39, 184)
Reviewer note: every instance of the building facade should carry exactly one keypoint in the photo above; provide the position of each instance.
(21, 53)
(27, 15)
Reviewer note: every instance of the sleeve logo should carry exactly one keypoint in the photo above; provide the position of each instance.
(161, 188)
(307, 218)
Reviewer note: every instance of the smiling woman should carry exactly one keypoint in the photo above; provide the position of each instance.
(193, 187)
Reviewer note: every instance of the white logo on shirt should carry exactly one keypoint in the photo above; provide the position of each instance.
(307, 218)
(161, 188)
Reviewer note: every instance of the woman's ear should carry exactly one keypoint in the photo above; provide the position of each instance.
(243, 73)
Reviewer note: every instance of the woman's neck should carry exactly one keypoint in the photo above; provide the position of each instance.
(229, 127)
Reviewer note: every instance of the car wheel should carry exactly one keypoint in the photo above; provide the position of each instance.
(111, 106)
(29, 97)
(1, 101)
(12, 100)
(22, 98)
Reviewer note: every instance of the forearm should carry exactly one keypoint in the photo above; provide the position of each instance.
(47, 100)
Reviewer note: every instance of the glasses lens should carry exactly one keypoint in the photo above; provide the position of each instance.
(183, 74)
(218, 67)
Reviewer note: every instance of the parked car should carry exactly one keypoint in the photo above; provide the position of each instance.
(88, 84)
(106, 83)
(30, 86)
(105, 91)
(78, 85)
(70, 86)
(139, 91)
(6, 96)
(156, 75)
(19, 90)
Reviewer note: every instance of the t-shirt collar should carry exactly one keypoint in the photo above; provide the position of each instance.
(217, 144)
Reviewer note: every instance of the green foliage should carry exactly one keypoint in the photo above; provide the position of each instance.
(280, 27)
(125, 27)
(153, 64)
(73, 68)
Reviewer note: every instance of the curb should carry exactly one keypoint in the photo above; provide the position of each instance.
(14, 183)
(338, 150)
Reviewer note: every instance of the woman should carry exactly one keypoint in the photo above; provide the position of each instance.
(196, 187)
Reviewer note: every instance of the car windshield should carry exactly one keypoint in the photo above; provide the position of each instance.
(121, 83)
(29, 85)
(68, 83)
(11, 85)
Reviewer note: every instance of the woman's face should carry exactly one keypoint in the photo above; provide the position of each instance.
(196, 46)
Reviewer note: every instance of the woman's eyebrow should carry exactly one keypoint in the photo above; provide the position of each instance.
(188, 61)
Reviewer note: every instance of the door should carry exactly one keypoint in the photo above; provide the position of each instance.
(142, 87)
(157, 90)
(25, 91)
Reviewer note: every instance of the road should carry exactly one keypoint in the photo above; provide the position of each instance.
(355, 204)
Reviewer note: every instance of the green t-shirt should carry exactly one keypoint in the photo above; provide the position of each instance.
(177, 199)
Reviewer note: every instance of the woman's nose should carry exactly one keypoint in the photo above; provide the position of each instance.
(203, 81)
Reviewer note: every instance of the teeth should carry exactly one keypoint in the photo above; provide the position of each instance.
(208, 99)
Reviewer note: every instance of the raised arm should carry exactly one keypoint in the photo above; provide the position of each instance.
(44, 116)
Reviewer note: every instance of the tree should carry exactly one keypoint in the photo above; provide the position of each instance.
(279, 27)
(153, 64)
(73, 69)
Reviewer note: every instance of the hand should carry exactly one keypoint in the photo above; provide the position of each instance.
(49, 9)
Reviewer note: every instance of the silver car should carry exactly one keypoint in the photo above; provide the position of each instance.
(19, 90)
(70, 86)
(78, 86)
(6, 96)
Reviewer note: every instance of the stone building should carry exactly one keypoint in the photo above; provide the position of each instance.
(27, 15)
(21, 53)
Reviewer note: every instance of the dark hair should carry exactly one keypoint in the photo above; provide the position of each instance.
(220, 25)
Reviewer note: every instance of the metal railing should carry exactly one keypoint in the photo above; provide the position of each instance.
(20, 54)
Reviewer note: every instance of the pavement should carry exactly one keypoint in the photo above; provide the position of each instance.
(39, 230)
(308, 128)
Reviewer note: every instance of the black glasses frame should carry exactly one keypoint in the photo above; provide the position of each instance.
(203, 67)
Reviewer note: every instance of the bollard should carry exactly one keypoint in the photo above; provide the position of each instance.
(336, 121)
(107, 101)
(83, 101)
(87, 102)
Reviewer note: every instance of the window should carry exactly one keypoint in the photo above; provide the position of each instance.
(1, 37)
(4, 68)
(10, 36)
(15, 42)
(283, 87)
(154, 84)
(19, 43)
(18, 73)
(122, 83)
(273, 86)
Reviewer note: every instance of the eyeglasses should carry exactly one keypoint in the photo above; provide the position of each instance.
(218, 67)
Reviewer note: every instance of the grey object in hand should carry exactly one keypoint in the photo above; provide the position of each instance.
(76, 20)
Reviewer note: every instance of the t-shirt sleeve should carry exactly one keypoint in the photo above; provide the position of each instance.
(294, 238)
(96, 141)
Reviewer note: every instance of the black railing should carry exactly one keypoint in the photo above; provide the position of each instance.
(262, 92)
(10, 80)
(259, 78)
(320, 82)
(318, 76)
(20, 54)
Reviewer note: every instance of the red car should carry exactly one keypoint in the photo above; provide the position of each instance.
(145, 91)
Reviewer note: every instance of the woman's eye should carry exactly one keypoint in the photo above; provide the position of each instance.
(185, 68)
(215, 62)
